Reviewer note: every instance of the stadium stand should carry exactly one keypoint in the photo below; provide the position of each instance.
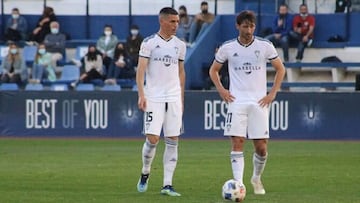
(108, 87)
(9, 87)
(85, 87)
(34, 87)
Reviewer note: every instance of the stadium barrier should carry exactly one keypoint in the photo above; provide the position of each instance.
(115, 114)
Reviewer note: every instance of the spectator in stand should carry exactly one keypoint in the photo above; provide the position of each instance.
(42, 67)
(183, 30)
(13, 66)
(133, 43)
(122, 66)
(93, 63)
(106, 45)
(201, 22)
(55, 43)
(16, 27)
(281, 28)
(303, 30)
(43, 26)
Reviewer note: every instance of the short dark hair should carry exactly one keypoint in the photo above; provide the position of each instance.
(204, 3)
(168, 11)
(15, 9)
(246, 16)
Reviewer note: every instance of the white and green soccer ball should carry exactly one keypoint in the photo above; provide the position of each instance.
(233, 190)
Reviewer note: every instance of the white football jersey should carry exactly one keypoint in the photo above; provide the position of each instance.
(162, 83)
(247, 67)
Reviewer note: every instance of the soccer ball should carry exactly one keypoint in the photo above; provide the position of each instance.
(233, 190)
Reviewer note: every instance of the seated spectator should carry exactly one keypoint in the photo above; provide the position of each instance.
(16, 27)
(133, 43)
(106, 45)
(55, 43)
(13, 66)
(42, 66)
(281, 28)
(93, 65)
(42, 26)
(183, 30)
(342, 5)
(303, 30)
(122, 66)
(201, 22)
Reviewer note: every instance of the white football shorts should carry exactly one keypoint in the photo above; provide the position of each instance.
(163, 115)
(247, 120)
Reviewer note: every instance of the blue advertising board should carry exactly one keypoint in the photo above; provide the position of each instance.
(293, 115)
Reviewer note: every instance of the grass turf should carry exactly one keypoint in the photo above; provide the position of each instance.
(80, 170)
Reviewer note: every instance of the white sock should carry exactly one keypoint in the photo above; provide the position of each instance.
(170, 160)
(148, 154)
(237, 165)
(259, 165)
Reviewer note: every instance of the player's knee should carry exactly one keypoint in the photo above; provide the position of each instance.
(171, 141)
(237, 143)
(152, 139)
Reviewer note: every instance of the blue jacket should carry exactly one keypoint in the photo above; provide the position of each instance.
(285, 28)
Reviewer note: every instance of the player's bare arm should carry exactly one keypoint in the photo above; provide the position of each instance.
(182, 80)
(140, 77)
(279, 76)
(215, 78)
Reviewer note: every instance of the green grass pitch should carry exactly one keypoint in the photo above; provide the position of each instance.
(107, 170)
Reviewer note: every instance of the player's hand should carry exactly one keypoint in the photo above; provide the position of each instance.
(266, 101)
(142, 103)
(226, 95)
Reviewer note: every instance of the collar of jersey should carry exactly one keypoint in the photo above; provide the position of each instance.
(245, 45)
(164, 38)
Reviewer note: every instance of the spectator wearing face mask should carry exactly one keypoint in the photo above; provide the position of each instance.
(303, 30)
(201, 22)
(13, 66)
(183, 30)
(106, 45)
(121, 67)
(93, 67)
(133, 43)
(16, 27)
(55, 43)
(282, 25)
(42, 67)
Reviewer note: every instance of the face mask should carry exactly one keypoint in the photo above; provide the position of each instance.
(303, 14)
(42, 51)
(204, 11)
(54, 30)
(134, 32)
(107, 33)
(15, 16)
(13, 51)
(282, 15)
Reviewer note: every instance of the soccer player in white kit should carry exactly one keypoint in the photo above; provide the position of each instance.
(161, 61)
(248, 100)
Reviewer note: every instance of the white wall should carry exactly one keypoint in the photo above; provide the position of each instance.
(114, 7)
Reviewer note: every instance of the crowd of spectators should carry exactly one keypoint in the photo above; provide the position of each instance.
(107, 60)
(297, 29)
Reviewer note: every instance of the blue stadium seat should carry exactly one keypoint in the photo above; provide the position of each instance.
(134, 88)
(9, 87)
(34, 87)
(29, 53)
(80, 52)
(3, 52)
(69, 74)
(85, 87)
(108, 87)
(59, 87)
(126, 83)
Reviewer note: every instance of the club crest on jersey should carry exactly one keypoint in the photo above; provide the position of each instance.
(257, 53)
